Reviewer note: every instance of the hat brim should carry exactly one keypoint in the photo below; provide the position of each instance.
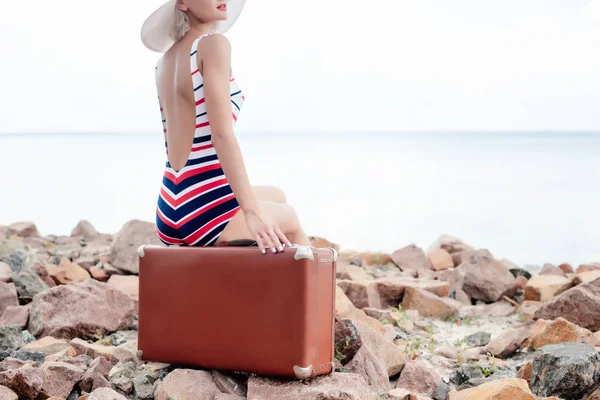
(155, 29)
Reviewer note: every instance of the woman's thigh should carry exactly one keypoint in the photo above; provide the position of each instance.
(269, 192)
(283, 214)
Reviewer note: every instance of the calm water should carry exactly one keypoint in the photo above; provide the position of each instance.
(531, 198)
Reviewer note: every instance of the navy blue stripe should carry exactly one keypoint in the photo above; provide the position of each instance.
(198, 87)
(233, 94)
(200, 139)
(193, 53)
(235, 105)
(199, 115)
(192, 180)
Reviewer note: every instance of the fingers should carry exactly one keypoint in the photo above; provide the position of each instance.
(282, 236)
(275, 243)
(271, 239)
(260, 243)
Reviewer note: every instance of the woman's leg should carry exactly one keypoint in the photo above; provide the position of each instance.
(284, 216)
(268, 192)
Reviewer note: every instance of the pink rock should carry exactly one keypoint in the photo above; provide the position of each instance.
(382, 293)
(366, 364)
(507, 343)
(428, 304)
(412, 258)
(454, 278)
(128, 284)
(67, 272)
(529, 307)
(27, 381)
(549, 269)
(486, 278)
(187, 384)
(24, 229)
(332, 386)
(580, 305)
(59, 378)
(392, 355)
(123, 250)
(105, 394)
(567, 268)
(84, 229)
(15, 315)
(544, 287)
(93, 350)
(588, 267)
(8, 296)
(441, 260)
(586, 276)
(5, 272)
(449, 243)
(419, 379)
(558, 331)
(47, 345)
(7, 394)
(80, 309)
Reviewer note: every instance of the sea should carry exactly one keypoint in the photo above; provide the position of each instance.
(528, 197)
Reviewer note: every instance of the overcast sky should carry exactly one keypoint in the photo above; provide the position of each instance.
(316, 65)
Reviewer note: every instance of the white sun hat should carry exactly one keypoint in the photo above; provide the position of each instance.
(155, 29)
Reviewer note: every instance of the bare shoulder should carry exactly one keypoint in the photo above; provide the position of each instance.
(215, 44)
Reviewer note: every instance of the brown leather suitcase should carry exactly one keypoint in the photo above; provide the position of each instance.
(233, 308)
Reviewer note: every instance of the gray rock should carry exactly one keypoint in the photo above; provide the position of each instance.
(21, 259)
(25, 355)
(441, 392)
(520, 272)
(10, 339)
(143, 387)
(566, 370)
(347, 340)
(479, 339)
(465, 373)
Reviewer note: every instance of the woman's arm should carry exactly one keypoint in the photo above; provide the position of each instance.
(216, 67)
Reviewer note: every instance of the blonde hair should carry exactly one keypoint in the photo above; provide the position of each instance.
(181, 24)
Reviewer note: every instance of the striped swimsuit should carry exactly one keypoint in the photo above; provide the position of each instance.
(196, 203)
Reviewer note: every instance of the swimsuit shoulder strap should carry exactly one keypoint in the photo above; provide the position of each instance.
(193, 56)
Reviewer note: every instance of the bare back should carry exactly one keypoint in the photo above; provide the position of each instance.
(175, 90)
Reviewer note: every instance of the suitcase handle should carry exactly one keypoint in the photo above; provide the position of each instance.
(240, 242)
(246, 243)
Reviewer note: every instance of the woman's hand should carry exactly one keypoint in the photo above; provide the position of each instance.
(265, 231)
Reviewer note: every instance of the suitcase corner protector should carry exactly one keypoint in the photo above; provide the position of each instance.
(303, 372)
(140, 250)
(335, 254)
(304, 252)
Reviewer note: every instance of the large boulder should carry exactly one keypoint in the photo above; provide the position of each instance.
(123, 249)
(334, 386)
(567, 370)
(486, 278)
(81, 309)
(580, 305)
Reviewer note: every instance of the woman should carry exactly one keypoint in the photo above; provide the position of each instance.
(206, 197)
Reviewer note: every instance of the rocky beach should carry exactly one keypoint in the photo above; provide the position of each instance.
(447, 322)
